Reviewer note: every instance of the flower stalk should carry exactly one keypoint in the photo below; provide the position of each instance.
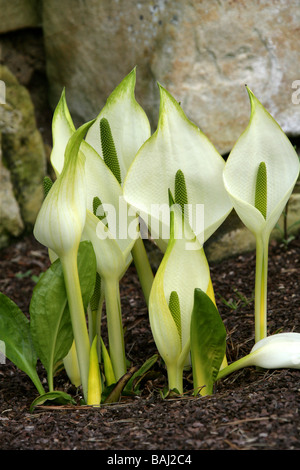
(115, 326)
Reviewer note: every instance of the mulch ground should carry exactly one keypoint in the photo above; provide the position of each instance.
(249, 410)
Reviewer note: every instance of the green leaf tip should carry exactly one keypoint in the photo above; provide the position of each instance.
(181, 197)
(261, 189)
(109, 150)
(47, 185)
(174, 306)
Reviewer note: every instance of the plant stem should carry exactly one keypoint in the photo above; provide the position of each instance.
(50, 380)
(239, 364)
(175, 371)
(143, 267)
(80, 331)
(98, 324)
(261, 280)
(115, 326)
(175, 377)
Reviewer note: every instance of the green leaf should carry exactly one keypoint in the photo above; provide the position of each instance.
(56, 398)
(208, 343)
(108, 368)
(50, 322)
(15, 333)
(132, 384)
(87, 268)
(115, 390)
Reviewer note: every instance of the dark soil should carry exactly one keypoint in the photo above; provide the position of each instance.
(249, 410)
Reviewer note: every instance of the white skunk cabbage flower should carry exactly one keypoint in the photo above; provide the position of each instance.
(183, 268)
(62, 130)
(119, 131)
(59, 226)
(259, 176)
(279, 351)
(177, 150)
(61, 219)
(128, 123)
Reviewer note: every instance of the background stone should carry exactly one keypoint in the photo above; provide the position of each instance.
(23, 162)
(18, 14)
(202, 52)
(11, 223)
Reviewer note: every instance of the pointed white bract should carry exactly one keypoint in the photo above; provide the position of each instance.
(262, 141)
(61, 219)
(62, 130)
(128, 122)
(278, 351)
(184, 267)
(176, 145)
(97, 178)
(259, 176)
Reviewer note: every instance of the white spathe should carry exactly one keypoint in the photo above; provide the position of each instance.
(262, 141)
(128, 122)
(177, 144)
(278, 351)
(183, 268)
(61, 219)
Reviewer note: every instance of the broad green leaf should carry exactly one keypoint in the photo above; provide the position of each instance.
(56, 397)
(15, 333)
(132, 384)
(115, 390)
(50, 322)
(208, 343)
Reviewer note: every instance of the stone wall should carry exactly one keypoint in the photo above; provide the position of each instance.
(203, 52)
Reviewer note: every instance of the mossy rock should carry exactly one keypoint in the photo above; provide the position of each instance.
(22, 147)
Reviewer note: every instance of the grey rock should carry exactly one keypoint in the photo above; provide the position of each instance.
(202, 52)
(23, 163)
(19, 14)
(11, 223)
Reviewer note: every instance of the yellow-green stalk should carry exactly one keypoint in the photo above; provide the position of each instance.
(108, 368)
(261, 273)
(94, 381)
